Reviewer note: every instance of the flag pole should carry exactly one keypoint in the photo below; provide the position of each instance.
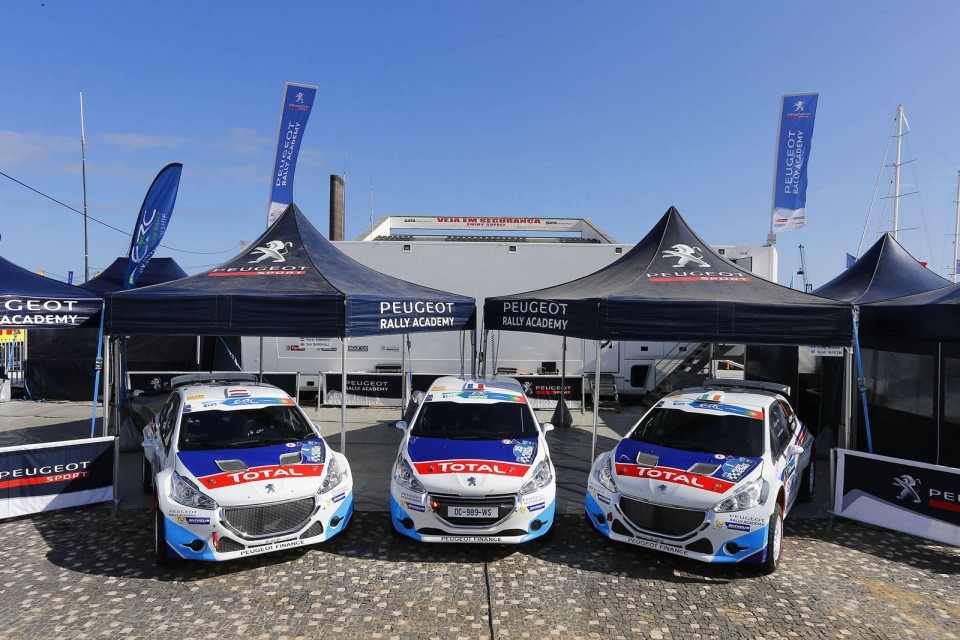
(83, 170)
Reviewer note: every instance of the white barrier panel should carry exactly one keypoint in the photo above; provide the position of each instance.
(56, 475)
(912, 497)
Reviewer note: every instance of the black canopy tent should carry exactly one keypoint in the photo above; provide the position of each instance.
(31, 301)
(673, 286)
(291, 281)
(58, 366)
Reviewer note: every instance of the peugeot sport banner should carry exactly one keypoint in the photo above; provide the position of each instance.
(297, 104)
(152, 221)
(912, 497)
(56, 475)
(797, 113)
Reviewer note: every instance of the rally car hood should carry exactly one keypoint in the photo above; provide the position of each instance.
(473, 467)
(688, 478)
(263, 474)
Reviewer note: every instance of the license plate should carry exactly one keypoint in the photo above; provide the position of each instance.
(471, 512)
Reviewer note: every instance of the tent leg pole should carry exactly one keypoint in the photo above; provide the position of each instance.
(846, 436)
(403, 375)
(343, 396)
(596, 403)
(107, 421)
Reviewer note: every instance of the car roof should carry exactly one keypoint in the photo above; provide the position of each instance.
(729, 394)
(216, 390)
(456, 389)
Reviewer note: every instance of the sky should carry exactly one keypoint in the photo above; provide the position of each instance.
(612, 111)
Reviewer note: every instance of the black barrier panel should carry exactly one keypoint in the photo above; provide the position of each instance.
(66, 467)
(367, 385)
(902, 486)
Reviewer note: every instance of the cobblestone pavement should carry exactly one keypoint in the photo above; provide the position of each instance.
(80, 574)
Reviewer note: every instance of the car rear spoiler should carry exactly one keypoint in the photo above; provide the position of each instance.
(213, 376)
(772, 387)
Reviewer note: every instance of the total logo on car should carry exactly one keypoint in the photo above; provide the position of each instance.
(473, 466)
(708, 473)
(237, 469)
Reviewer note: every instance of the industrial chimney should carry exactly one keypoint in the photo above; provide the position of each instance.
(336, 208)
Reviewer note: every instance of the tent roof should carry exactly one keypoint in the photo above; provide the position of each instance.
(886, 270)
(291, 281)
(158, 270)
(31, 301)
(673, 286)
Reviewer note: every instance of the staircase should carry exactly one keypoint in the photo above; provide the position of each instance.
(682, 367)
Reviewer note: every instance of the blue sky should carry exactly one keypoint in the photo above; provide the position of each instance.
(608, 110)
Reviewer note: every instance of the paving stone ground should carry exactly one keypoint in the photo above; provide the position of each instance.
(80, 574)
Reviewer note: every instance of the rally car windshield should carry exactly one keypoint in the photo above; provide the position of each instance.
(264, 426)
(475, 421)
(711, 433)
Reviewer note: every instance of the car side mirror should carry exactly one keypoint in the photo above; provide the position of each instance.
(149, 443)
(401, 424)
(547, 427)
(795, 449)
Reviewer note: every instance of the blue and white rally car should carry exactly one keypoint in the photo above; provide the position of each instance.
(473, 466)
(708, 473)
(237, 469)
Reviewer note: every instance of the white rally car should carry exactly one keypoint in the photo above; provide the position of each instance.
(473, 466)
(237, 469)
(707, 473)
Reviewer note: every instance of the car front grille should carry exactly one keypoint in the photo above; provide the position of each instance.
(263, 521)
(665, 521)
(503, 503)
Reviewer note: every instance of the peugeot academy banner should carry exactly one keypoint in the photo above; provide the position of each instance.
(297, 104)
(912, 497)
(152, 221)
(368, 315)
(795, 135)
(56, 475)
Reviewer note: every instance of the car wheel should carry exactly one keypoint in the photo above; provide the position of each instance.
(146, 474)
(160, 554)
(807, 480)
(774, 542)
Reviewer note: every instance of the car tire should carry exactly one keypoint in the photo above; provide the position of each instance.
(160, 554)
(146, 474)
(774, 542)
(808, 480)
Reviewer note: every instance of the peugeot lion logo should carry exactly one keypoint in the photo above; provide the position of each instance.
(471, 481)
(528, 388)
(685, 255)
(275, 249)
(299, 96)
(798, 105)
(907, 490)
(269, 488)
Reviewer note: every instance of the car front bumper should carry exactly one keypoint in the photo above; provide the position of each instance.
(426, 516)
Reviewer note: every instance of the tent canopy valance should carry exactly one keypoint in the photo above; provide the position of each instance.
(673, 287)
(291, 281)
(31, 301)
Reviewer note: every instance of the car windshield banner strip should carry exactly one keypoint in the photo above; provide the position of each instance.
(152, 221)
(56, 475)
(903, 495)
(797, 112)
(297, 104)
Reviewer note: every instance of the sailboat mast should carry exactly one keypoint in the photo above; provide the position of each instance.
(956, 230)
(896, 173)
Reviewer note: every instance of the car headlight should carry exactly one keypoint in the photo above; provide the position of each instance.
(334, 476)
(187, 494)
(541, 478)
(746, 498)
(403, 474)
(604, 474)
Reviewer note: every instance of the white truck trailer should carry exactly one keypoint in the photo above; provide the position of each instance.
(480, 257)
